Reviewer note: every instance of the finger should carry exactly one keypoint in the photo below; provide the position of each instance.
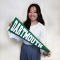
(49, 54)
(10, 24)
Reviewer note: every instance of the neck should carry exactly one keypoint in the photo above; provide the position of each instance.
(34, 22)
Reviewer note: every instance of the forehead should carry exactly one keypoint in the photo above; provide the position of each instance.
(33, 8)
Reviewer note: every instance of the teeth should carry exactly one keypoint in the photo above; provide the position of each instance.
(32, 17)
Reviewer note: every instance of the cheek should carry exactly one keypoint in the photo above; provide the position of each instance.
(36, 15)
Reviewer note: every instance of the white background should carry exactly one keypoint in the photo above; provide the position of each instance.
(9, 9)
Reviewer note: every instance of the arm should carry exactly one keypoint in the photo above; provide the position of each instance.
(11, 35)
(42, 38)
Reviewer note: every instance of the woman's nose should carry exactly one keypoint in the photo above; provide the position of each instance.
(32, 13)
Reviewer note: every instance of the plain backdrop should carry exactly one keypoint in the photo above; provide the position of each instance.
(9, 9)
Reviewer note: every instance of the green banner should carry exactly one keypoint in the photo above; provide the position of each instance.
(20, 30)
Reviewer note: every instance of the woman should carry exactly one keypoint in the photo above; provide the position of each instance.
(35, 24)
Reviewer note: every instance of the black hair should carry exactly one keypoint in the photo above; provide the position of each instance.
(27, 23)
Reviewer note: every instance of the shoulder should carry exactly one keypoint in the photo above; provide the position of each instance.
(41, 26)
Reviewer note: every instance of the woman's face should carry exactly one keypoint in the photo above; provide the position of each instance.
(33, 14)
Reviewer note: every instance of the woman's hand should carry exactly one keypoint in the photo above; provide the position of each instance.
(47, 53)
(10, 23)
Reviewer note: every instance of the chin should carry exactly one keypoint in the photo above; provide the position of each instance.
(32, 19)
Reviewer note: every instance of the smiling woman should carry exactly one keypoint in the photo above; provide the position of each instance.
(9, 9)
(34, 19)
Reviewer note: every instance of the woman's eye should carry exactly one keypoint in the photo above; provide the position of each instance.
(32, 12)
(35, 12)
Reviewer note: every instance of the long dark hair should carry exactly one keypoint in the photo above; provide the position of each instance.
(27, 23)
